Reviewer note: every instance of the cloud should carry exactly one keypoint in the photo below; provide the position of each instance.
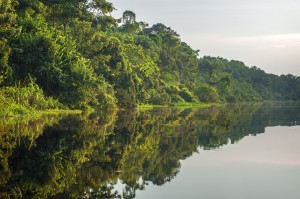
(278, 46)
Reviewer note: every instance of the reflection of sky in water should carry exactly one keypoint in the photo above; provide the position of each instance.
(264, 166)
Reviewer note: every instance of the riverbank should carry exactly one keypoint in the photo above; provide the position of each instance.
(178, 105)
(20, 111)
(31, 113)
(193, 104)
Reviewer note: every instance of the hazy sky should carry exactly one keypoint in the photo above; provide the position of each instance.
(264, 33)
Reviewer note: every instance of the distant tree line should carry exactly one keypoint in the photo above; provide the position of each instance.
(76, 55)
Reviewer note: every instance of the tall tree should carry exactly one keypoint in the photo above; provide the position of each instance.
(8, 30)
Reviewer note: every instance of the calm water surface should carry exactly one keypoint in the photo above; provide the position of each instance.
(234, 151)
(262, 166)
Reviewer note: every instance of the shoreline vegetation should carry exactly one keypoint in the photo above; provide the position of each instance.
(60, 56)
(36, 114)
(20, 111)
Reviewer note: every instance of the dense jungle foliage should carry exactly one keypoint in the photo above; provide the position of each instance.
(73, 54)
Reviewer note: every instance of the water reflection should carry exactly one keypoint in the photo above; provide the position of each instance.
(84, 156)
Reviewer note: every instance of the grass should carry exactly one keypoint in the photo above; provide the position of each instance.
(29, 101)
(178, 104)
(150, 106)
(31, 113)
(192, 104)
(59, 111)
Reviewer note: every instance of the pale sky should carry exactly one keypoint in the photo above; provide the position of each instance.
(262, 33)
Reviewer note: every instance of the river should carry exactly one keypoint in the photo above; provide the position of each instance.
(233, 151)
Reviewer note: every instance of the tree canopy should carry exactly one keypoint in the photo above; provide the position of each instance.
(81, 56)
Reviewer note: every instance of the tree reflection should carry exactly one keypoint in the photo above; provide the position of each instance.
(86, 156)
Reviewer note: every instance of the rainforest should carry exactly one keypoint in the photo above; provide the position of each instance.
(73, 54)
